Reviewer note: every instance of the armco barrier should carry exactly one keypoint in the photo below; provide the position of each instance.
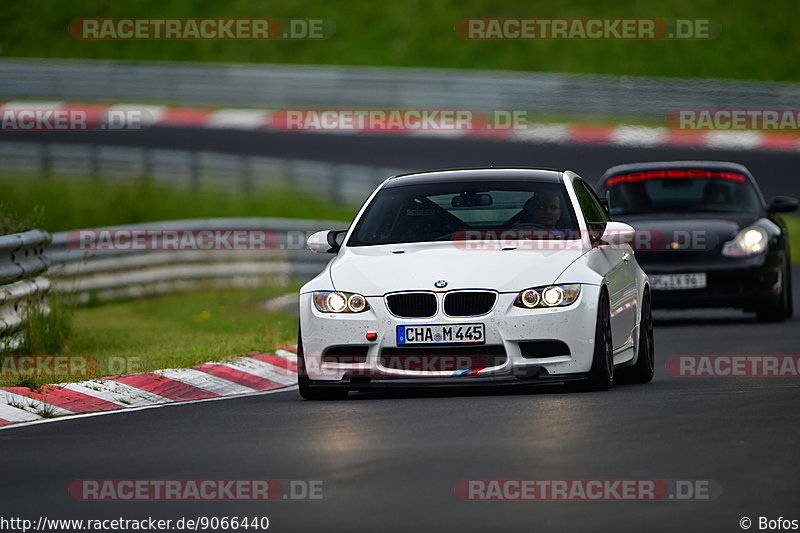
(22, 263)
(288, 86)
(234, 173)
(118, 274)
(92, 275)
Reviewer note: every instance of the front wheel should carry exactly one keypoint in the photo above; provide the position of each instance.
(642, 371)
(790, 313)
(782, 309)
(601, 375)
(304, 383)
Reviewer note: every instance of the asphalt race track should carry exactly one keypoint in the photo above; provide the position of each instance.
(391, 463)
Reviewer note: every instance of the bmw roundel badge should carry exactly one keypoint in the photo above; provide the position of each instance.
(440, 284)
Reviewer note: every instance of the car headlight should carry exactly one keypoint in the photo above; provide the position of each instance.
(750, 241)
(549, 296)
(340, 302)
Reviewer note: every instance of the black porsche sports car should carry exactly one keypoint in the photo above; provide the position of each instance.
(705, 236)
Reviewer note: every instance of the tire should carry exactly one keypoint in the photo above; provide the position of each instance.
(643, 370)
(790, 296)
(780, 310)
(601, 375)
(315, 393)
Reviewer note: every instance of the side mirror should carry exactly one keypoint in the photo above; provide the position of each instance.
(618, 233)
(783, 204)
(596, 231)
(325, 242)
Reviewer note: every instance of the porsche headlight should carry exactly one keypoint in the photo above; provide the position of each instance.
(548, 296)
(340, 302)
(750, 241)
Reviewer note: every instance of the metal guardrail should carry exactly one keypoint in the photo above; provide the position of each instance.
(119, 274)
(94, 275)
(288, 86)
(192, 169)
(22, 263)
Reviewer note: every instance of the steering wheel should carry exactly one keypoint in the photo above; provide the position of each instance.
(530, 225)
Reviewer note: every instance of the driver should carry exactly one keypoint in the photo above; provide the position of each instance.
(636, 198)
(715, 194)
(543, 209)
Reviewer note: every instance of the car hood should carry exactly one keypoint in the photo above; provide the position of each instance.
(376, 270)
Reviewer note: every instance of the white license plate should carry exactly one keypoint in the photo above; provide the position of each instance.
(441, 333)
(678, 282)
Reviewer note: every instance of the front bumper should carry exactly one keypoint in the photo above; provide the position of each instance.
(739, 283)
(518, 345)
(359, 384)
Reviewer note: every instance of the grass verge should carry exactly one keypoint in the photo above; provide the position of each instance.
(171, 331)
(48, 326)
(793, 222)
(65, 204)
(758, 39)
(14, 221)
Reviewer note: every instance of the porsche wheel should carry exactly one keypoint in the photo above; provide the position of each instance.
(781, 309)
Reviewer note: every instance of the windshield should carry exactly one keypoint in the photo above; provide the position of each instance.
(681, 191)
(451, 211)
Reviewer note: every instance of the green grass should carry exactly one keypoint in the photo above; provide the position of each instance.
(13, 220)
(48, 326)
(65, 204)
(173, 331)
(758, 39)
(793, 222)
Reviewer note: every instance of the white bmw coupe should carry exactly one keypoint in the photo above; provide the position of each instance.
(492, 276)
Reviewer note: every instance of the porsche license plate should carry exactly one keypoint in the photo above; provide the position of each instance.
(678, 282)
(441, 334)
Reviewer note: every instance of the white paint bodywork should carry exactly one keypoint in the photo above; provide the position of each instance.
(375, 271)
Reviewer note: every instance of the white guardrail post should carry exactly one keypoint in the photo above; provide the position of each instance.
(22, 263)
